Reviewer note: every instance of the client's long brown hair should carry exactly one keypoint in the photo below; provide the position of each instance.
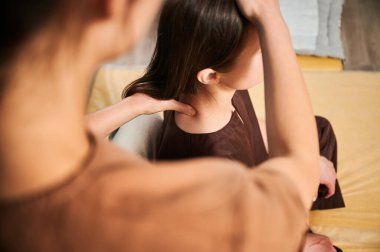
(192, 35)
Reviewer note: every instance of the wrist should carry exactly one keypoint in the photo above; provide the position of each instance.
(268, 19)
(132, 106)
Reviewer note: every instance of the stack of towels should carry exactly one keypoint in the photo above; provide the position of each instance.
(315, 26)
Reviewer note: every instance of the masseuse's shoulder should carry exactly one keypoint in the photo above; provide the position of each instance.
(260, 206)
(200, 198)
(126, 175)
(196, 183)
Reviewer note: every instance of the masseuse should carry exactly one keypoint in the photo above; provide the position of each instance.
(62, 189)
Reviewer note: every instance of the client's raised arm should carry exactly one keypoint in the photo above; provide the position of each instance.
(292, 135)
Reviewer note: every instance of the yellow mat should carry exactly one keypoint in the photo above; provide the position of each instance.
(312, 63)
(351, 101)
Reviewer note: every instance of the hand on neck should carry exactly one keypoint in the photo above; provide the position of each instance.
(214, 107)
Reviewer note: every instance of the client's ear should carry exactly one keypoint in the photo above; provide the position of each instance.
(208, 76)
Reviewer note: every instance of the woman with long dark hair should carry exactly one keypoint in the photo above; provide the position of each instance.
(62, 189)
(207, 55)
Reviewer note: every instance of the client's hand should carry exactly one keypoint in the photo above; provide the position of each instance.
(256, 10)
(328, 175)
(151, 105)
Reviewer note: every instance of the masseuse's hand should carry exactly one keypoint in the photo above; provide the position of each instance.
(151, 105)
(104, 121)
(255, 10)
(328, 175)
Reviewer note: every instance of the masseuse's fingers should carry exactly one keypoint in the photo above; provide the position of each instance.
(179, 107)
(150, 105)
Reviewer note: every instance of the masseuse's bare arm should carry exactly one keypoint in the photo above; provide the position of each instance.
(291, 129)
(104, 121)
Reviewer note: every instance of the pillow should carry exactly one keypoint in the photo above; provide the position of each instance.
(302, 19)
(334, 31)
(108, 84)
(140, 135)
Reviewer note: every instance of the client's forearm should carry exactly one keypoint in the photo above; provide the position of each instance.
(290, 121)
(291, 129)
(291, 126)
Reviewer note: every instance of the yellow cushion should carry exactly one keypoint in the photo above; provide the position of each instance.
(312, 63)
(108, 85)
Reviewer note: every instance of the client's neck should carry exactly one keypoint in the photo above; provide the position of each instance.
(209, 101)
(213, 106)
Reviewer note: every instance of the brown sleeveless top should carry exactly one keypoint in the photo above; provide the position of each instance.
(242, 142)
(240, 139)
